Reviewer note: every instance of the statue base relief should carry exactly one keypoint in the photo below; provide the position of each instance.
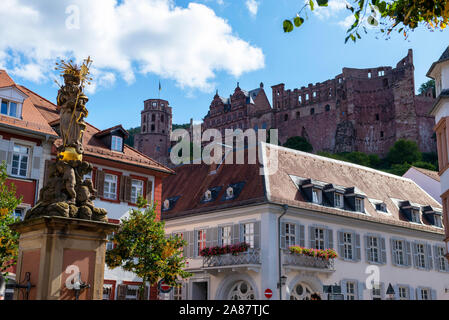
(56, 254)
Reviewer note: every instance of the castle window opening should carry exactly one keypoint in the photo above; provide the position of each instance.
(381, 73)
(152, 127)
(297, 114)
(377, 116)
(153, 117)
(369, 75)
(285, 117)
(312, 111)
(327, 108)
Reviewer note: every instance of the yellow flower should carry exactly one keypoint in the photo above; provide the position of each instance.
(3, 211)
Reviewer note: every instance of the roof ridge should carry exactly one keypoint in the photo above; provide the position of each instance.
(38, 95)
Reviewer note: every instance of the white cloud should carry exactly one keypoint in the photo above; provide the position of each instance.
(252, 6)
(334, 10)
(188, 45)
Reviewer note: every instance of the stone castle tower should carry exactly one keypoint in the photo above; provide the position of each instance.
(156, 125)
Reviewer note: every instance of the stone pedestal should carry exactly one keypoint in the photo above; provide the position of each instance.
(52, 249)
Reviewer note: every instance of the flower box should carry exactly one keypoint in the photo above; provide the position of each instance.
(317, 253)
(233, 249)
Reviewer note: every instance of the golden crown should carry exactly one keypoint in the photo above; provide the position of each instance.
(69, 68)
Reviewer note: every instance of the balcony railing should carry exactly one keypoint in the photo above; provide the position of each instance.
(304, 261)
(250, 257)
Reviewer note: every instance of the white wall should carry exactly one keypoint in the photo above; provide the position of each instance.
(267, 276)
(431, 186)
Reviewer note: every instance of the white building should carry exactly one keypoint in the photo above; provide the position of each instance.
(439, 71)
(385, 229)
(427, 179)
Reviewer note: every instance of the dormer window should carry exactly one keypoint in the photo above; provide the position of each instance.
(316, 196)
(438, 221)
(338, 200)
(117, 143)
(9, 108)
(381, 207)
(415, 216)
(359, 205)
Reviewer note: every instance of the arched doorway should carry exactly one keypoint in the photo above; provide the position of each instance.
(301, 291)
(241, 290)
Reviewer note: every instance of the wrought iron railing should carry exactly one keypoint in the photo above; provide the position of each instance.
(252, 256)
(301, 260)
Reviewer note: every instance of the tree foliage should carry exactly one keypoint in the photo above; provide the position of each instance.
(427, 85)
(402, 155)
(141, 247)
(9, 239)
(400, 16)
(298, 143)
(404, 151)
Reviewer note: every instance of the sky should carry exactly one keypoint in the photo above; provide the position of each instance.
(193, 48)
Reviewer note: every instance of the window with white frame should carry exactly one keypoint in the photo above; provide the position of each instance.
(359, 205)
(290, 234)
(177, 293)
(136, 189)
(248, 234)
(441, 259)
(338, 200)
(421, 255)
(399, 252)
(350, 290)
(437, 221)
(132, 292)
(107, 291)
(403, 293)
(316, 196)
(347, 243)
(9, 108)
(381, 73)
(117, 143)
(109, 244)
(425, 294)
(415, 216)
(20, 160)
(319, 239)
(373, 249)
(110, 186)
(200, 240)
(376, 292)
(226, 235)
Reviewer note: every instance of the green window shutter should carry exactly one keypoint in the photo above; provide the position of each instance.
(433, 294)
(429, 262)
(393, 253)
(436, 258)
(412, 293)
(4, 149)
(36, 164)
(366, 249)
(235, 233)
(341, 245)
(219, 239)
(209, 237)
(195, 244)
(282, 236)
(396, 292)
(360, 289)
(344, 289)
(408, 253)
(418, 293)
(9, 157)
(302, 236)
(383, 251)
(382, 290)
(329, 238)
(257, 235)
(358, 250)
(311, 237)
(415, 255)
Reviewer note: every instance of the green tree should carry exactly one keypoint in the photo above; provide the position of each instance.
(426, 85)
(404, 151)
(399, 169)
(424, 165)
(132, 132)
(141, 247)
(9, 239)
(401, 16)
(298, 143)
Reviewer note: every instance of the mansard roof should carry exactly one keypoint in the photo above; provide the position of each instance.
(373, 186)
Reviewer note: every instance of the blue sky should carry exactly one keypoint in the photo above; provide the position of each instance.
(313, 53)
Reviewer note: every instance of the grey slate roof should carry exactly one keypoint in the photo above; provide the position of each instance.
(444, 57)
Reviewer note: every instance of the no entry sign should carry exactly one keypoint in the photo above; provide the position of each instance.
(268, 293)
(163, 287)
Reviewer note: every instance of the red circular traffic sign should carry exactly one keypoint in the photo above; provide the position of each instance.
(163, 287)
(268, 293)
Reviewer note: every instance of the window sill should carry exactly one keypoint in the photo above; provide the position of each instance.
(110, 200)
